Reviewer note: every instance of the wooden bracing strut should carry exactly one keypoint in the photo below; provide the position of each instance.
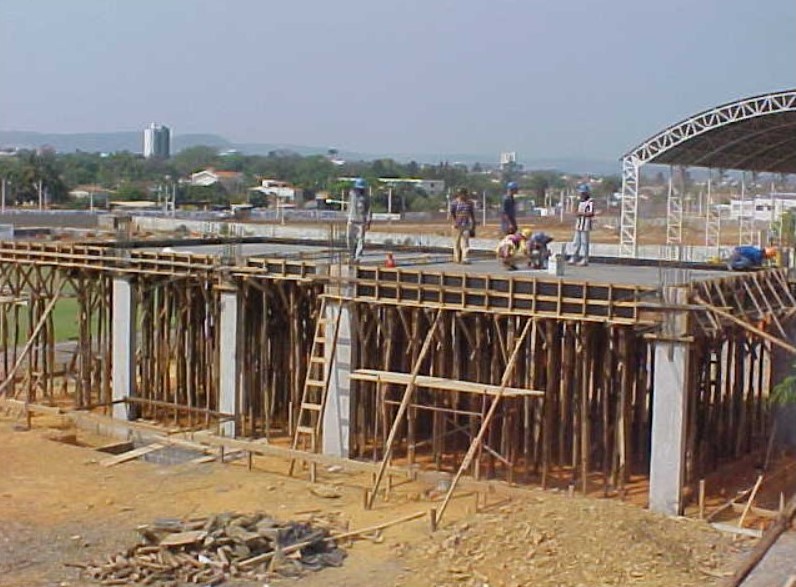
(313, 398)
(407, 397)
(476, 443)
(753, 329)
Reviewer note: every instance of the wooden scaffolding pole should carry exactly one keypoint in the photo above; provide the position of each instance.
(476, 443)
(410, 387)
(42, 321)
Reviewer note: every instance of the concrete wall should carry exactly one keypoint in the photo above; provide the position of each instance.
(52, 219)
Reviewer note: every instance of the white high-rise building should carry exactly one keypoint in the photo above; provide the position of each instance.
(507, 157)
(157, 141)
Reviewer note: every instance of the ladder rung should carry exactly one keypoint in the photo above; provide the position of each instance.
(307, 406)
(320, 339)
(315, 382)
(305, 430)
(317, 359)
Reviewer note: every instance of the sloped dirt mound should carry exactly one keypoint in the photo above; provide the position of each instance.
(557, 541)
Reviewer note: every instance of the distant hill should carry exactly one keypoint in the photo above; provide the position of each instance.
(132, 141)
(109, 142)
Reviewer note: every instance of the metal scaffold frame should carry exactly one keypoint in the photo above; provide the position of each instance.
(628, 224)
(674, 213)
(712, 221)
(746, 220)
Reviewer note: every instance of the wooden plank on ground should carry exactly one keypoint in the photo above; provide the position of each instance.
(130, 455)
(731, 529)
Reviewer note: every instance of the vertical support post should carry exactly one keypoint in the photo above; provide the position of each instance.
(229, 367)
(336, 427)
(669, 410)
(123, 348)
(628, 224)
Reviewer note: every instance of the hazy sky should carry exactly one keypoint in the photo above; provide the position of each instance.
(547, 78)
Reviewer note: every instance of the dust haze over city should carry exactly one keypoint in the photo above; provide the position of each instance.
(572, 79)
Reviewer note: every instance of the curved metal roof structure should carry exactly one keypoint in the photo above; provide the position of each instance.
(752, 134)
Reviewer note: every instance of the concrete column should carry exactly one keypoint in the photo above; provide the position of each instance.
(667, 463)
(123, 348)
(670, 401)
(337, 415)
(229, 365)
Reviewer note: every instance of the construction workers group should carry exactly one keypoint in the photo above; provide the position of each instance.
(515, 244)
(520, 244)
(533, 246)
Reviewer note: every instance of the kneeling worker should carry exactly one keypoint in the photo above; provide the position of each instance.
(747, 257)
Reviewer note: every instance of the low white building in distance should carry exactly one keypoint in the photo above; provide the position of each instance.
(208, 177)
(433, 187)
(280, 190)
(766, 208)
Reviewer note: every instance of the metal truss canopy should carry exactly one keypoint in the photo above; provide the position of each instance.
(753, 134)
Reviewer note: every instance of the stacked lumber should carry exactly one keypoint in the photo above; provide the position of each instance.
(211, 550)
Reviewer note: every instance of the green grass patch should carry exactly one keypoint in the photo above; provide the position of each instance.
(65, 320)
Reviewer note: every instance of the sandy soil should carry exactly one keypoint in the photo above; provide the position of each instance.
(58, 505)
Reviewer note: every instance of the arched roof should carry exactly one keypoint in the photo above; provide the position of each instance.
(753, 134)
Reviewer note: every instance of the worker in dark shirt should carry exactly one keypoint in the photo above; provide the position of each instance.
(747, 257)
(462, 213)
(508, 212)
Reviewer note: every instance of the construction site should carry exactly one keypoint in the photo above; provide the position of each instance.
(411, 407)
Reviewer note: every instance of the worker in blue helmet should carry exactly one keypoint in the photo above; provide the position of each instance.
(359, 217)
(583, 226)
(508, 210)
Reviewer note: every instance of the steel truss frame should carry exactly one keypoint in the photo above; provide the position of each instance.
(674, 212)
(753, 150)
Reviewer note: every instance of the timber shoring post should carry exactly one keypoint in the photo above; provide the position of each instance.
(42, 320)
(486, 420)
(553, 344)
(408, 392)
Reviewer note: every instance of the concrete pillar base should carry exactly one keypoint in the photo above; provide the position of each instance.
(123, 342)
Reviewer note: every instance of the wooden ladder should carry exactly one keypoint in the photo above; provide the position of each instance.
(316, 387)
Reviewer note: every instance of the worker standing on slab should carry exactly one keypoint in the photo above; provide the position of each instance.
(583, 224)
(358, 218)
(462, 214)
(747, 257)
(508, 211)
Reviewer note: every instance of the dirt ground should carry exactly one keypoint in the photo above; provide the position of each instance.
(58, 505)
(605, 231)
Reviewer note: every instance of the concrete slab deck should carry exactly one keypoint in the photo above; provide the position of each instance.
(436, 262)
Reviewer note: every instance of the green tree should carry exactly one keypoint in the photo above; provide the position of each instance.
(131, 192)
(195, 159)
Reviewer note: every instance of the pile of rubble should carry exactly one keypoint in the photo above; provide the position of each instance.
(211, 550)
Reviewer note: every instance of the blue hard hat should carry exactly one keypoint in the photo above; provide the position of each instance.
(360, 183)
(584, 189)
(512, 185)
